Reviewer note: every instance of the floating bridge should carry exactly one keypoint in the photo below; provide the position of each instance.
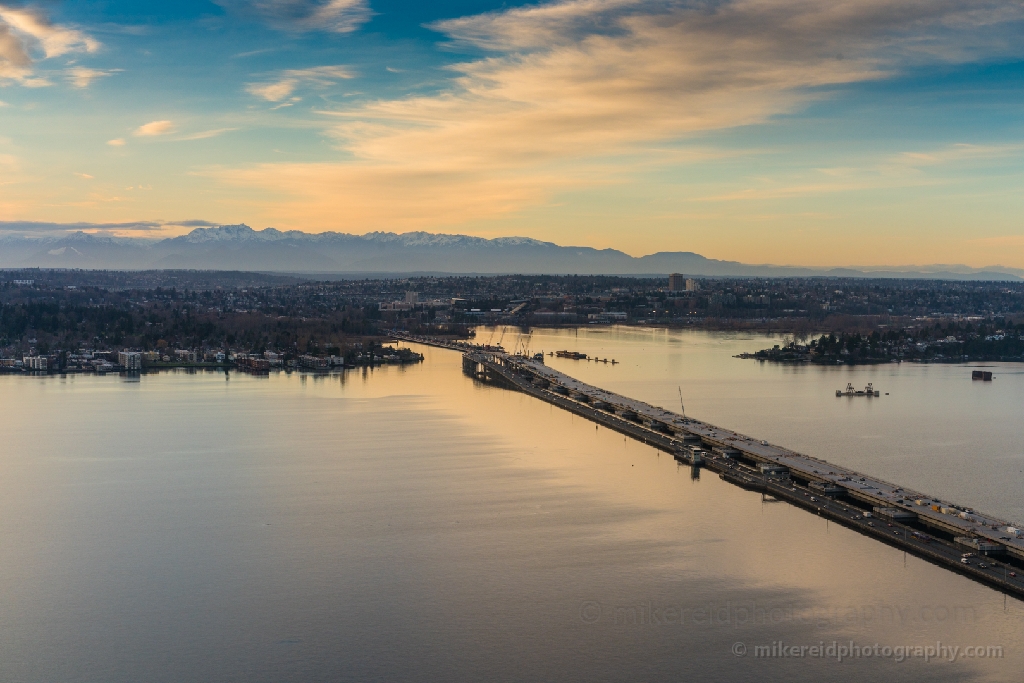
(937, 530)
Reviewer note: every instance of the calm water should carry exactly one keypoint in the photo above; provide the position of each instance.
(936, 430)
(408, 524)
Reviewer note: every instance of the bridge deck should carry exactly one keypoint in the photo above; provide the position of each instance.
(868, 488)
(520, 371)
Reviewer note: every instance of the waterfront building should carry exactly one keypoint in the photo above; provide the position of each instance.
(130, 360)
(314, 362)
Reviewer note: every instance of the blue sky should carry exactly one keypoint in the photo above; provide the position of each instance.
(869, 132)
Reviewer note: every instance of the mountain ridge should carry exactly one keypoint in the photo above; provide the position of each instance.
(239, 247)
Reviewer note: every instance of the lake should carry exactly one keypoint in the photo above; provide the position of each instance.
(411, 524)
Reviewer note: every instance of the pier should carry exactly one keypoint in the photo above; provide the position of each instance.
(980, 546)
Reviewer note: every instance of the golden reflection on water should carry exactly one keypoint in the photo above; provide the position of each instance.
(933, 428)
(410, 523)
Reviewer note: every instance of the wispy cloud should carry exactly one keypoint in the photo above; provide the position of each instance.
(299, 16)
(154, 128)
(281, 85)
(907, 169)
(27, 35)
(253, 53)
(958, 153)
(82, 76)
(206, 134)
(133, 226)
(166, 127)
(574, 82)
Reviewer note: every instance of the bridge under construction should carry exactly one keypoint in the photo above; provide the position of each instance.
(977, 545)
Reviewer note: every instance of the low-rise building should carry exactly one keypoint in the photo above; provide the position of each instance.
(252, 362)
(396, 306)
(314, 363)
(608, 317)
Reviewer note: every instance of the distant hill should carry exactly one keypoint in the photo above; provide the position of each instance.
(239, 247)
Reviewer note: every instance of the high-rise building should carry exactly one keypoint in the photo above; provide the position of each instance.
(412, 297)
(676, 282)
(692, 285)
(130, 360)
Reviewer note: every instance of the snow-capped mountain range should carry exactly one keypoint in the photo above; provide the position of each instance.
(239, 247)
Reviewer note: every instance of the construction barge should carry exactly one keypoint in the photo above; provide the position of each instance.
(576, 355)
(869, 391)
(981, 547)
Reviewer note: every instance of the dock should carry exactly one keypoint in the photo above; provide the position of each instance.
(980, 546)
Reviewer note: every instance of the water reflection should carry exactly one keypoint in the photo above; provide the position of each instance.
(415, 525)
(936, 430)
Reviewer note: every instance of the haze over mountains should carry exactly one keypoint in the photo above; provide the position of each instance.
(239, 247)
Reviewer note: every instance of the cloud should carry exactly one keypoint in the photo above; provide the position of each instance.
(47, 227)
(157, 128)
(154, 128)
(273, 92)
(284, 83)
(566, 87)
(82, 77)
(907, 169)
(84, 176)
(54, 40)
(41, 226)
(194, 223)
(27, 35)
(206, 134)
(961, 152)
(253, 53)
(300, 16)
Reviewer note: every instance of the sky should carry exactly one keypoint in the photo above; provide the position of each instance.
(863, 132)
